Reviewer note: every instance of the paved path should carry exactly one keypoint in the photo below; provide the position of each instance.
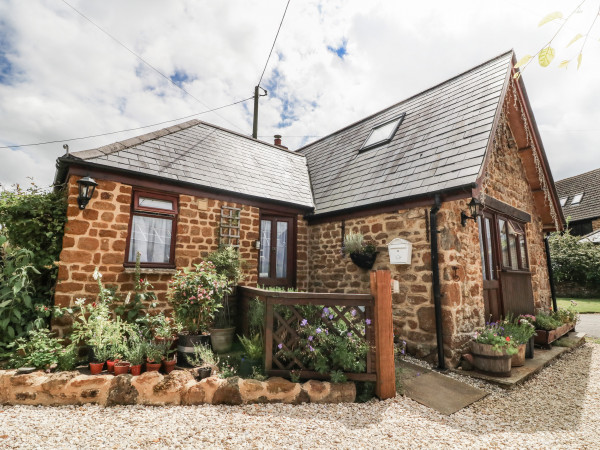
(589, 324)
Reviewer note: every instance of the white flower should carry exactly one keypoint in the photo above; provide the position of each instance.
(96, 274)
(127, 298)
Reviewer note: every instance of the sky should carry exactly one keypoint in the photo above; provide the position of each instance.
(334, 63)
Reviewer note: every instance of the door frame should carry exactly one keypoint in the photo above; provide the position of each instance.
(499, 268)
(265, 214)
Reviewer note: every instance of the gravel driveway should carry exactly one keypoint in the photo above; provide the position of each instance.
(560, 408)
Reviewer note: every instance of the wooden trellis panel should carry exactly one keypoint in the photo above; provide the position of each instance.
(229, 229)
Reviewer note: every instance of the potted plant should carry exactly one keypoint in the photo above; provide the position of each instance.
(227, 264)
(195, 296)
(492, 350)
(254, 351)
(122, 367)
(134, 353)
(154, 354)
(362, 253)
(204, 360)
(550, 326)
(167, 356)
(100, 355)
(520, 330)
(164, 328)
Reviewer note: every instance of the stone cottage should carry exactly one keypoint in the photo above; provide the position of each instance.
(410, 171)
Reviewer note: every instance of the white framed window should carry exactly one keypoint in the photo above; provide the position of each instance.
(577, 199)
(152, 229)
(383, 133)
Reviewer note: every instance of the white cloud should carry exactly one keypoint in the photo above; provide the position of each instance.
(69, 79)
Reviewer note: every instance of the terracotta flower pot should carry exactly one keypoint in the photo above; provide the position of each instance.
(168, 366)
(136, 370)
(96, 368)
(152, 366)
(110, 365)
(518, 359)
(121, 368)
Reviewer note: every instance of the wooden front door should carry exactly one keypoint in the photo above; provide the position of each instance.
(489, 258)
(277, 251)
(506, 276)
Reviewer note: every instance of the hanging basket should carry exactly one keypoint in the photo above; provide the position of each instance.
(364, 260)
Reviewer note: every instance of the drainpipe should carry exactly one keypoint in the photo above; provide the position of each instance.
(550, 274)
(435, 269)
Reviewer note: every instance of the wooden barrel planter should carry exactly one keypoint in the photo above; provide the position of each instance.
(545, 338)
(490, 361)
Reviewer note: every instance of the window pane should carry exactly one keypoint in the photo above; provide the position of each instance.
(151, 236)
(381, 133)
(281, 267)
(481, 249)
(514, 262)
(265, 248)
(503, 243)
(524, 263)
(488, 237)
(156, 203)
(576, 199)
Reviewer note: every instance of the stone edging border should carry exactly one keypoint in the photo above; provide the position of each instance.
(154, 389)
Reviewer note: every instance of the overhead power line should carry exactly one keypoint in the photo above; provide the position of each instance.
(146, 62)
(274, 41)
(129, 129)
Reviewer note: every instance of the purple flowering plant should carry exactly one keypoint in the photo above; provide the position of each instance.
(326, 345)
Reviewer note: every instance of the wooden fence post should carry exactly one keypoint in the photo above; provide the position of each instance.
(381, 290)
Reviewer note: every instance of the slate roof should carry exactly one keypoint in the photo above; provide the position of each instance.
(209, 156)
(440, 144)
(587, 183)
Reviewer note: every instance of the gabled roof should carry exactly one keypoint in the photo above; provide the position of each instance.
(587, 184)
(212, 157)
(440, 144)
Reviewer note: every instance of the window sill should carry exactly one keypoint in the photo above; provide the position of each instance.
(151, 270)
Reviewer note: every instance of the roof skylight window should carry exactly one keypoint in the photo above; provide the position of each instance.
(577, 199)
(383, 133)
(563, 201)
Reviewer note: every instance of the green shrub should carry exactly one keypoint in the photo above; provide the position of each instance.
(41, 350)
(34, 219)
(22, 308)
(574, 261)
(31, 230)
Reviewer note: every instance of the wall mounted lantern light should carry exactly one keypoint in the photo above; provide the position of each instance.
(474, 209)
(87, 186)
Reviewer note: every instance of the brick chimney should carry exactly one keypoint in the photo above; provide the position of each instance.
(278, 141)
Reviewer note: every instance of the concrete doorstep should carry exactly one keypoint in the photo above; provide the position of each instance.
(541, 358)
(434, 390)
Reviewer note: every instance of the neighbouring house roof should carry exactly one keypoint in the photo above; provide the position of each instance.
(593, 237)
(212, 157)
(439, 145)
(587, 184)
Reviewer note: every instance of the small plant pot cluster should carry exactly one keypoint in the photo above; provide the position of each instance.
(500, 346)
